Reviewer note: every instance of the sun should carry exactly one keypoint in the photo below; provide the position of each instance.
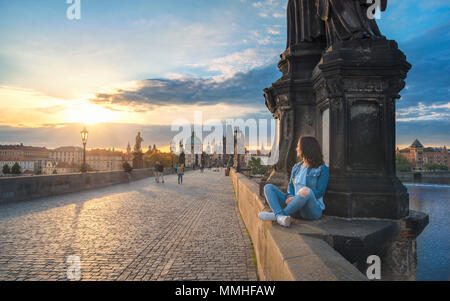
(83, 111)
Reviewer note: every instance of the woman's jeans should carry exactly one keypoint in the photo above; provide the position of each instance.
(180, 179)
(307, 207)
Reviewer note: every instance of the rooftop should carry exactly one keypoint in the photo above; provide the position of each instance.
(416, 144)
(22, 147)
(68, 149)
(15, 159)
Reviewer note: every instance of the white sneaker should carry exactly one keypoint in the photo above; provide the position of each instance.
(284, 220)
(267, 216)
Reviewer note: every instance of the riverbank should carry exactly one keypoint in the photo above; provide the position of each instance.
(425, 177)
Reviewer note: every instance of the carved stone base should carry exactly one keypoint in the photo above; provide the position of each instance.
(366, 196)
(400, 256)
(291, 101)
(393, 241)
(138, 161)
(357, 83)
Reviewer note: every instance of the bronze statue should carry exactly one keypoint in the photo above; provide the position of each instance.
(303, 22)
(348, 19)
(139, 140)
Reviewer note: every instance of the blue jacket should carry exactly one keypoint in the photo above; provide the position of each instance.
(316, 180)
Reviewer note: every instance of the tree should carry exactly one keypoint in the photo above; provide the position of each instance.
(55, 172)
(402, 163)
(15, 170)
(165, 159)
(6, 169)
(256, 167)
(127, 167)
(443, 167)
(88, 168)
(434, 167)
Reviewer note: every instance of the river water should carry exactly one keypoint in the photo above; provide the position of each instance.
(433, 245)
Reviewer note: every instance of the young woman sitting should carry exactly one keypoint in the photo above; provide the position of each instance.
(308, 184)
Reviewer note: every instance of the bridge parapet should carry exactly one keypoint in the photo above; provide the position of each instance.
(33, 187)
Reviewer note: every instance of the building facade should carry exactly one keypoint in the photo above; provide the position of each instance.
(418, 155)
(24, 155)
(27, 165)
(68, 154)
(65, 168)
(193, 151)
(50, 167)
(21, 150)
(104, 160)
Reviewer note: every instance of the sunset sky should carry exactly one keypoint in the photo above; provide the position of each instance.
(138, 65)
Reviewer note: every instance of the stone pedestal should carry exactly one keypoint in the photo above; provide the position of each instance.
(356, 85)
(393, 241)
(138, 161)
(400, 255)
(291, 101)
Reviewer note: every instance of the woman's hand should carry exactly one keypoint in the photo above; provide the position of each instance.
(289, 200)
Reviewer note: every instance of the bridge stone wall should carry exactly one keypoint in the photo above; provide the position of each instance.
(283, 254)
(26, 188)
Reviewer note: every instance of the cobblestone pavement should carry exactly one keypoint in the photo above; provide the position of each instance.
(137, 231)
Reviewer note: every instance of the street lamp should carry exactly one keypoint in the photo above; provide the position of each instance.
(84, 138)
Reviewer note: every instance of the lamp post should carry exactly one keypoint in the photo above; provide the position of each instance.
(84, 138)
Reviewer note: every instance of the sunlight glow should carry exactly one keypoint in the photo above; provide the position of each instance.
(83, 111)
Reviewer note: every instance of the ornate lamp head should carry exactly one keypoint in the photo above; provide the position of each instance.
(84, 135)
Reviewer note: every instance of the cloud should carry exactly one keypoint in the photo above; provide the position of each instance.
(74, 60)
(242, 89)
(239, 62)
(428, 83)
(423, 112)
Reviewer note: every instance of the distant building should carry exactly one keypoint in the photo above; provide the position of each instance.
(418, 155)
(193, 151)
(37, 155)
(104, 160)
(50, 167)
(437, 156)
(20, 150)
(68, 154)
(65, 168)
(27, 165)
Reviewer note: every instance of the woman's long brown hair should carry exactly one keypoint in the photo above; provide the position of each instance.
(310, 151)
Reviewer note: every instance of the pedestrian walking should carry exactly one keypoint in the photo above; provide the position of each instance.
(156, 170)
(161, 172)
(180, 173)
